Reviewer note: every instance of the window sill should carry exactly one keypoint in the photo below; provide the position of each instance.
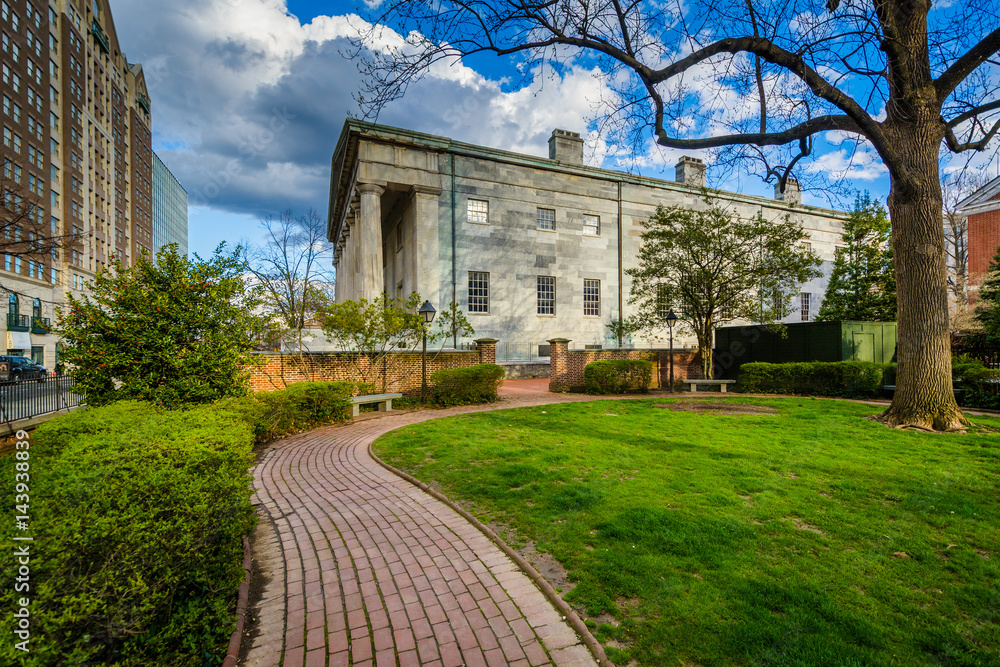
(546, 316)
(540, 229)
(474, 222)
(478, 314)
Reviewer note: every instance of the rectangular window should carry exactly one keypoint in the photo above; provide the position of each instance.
(479, 292)
(804, 305)
(479, 211)
(662, 303)
(545, 218)
(7, 261)
(592, 225)
(592, 297)
(546, 295)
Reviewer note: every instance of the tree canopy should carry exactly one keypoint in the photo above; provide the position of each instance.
(863, 282)
(711, 267)
(173, 330)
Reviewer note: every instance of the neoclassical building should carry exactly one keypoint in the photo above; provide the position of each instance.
(531, 248)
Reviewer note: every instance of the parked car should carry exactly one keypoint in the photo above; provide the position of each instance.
(23, 368)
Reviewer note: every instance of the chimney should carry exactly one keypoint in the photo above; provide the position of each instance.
(792, 194)
(690, 171)
(566, 147)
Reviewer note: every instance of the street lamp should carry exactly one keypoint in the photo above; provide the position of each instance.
(427, 312)
(671, 319)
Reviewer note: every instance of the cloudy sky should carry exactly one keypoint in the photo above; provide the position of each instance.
(249, 97)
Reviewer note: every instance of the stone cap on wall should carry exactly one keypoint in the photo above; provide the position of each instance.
(559, 340)
(486, 341)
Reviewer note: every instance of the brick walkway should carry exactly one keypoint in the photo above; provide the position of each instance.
(366, 569)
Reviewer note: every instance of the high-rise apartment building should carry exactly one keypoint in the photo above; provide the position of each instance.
(170, 209)
(77, 161)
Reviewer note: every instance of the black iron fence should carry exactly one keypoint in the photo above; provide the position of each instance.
(31, 398)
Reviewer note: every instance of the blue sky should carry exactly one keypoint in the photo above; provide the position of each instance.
(249, 97)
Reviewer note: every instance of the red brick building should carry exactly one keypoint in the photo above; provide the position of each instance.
(983, 211)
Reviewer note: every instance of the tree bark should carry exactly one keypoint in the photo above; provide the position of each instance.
(924, 397)
(705, 350)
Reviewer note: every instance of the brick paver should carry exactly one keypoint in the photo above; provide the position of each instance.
(366, 569)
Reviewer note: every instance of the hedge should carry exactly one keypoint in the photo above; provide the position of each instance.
(138, 515)
(848, 379)
(624, 376)
(472, 384)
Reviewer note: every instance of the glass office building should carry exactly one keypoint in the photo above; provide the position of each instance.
(170, 209)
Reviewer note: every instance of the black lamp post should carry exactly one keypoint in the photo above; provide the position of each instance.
(671, 319)
(427, 312)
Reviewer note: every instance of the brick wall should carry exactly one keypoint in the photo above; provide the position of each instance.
(566, 366)
(984, 239)
(403, 374)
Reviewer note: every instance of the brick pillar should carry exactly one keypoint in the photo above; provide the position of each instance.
(559, 364)
(487, 350)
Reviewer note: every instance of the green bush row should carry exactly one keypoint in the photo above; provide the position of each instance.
(624, 376)
(138, 515)
(473, 384)
(848, 379)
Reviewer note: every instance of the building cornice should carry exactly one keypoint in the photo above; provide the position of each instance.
(344, 170)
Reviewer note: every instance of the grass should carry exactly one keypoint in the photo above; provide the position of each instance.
(810, 536)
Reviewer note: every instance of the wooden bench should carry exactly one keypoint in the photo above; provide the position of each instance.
(722, 384)
(384, 402)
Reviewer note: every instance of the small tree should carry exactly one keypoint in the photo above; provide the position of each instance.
(863, 283)
(171, 331)
(288, 266)
(377, 330)
(712, 267)
(988, 304)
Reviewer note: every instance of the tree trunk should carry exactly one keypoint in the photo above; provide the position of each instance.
(705, 351)
(924, 397)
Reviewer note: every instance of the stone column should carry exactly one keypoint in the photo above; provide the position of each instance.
(424, 260)
(487, 350)
(559, 364)
(371, 282)
(347, 261)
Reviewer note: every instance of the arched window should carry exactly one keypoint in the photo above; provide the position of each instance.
(36, 308)
(13, 304)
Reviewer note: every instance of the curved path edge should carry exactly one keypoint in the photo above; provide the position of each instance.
(550, 593)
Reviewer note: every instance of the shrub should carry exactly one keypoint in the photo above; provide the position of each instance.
(625, 376)
(305, 405)
(848, 379)
(138, 515)
(473, 384)
(981, 385)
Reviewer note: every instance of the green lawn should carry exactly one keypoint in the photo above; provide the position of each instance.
(810, 536)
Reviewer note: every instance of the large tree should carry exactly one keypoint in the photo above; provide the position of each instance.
(767, 79)
(863, 282)
(711, 266)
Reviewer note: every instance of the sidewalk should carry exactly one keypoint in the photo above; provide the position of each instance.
(363, 568)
